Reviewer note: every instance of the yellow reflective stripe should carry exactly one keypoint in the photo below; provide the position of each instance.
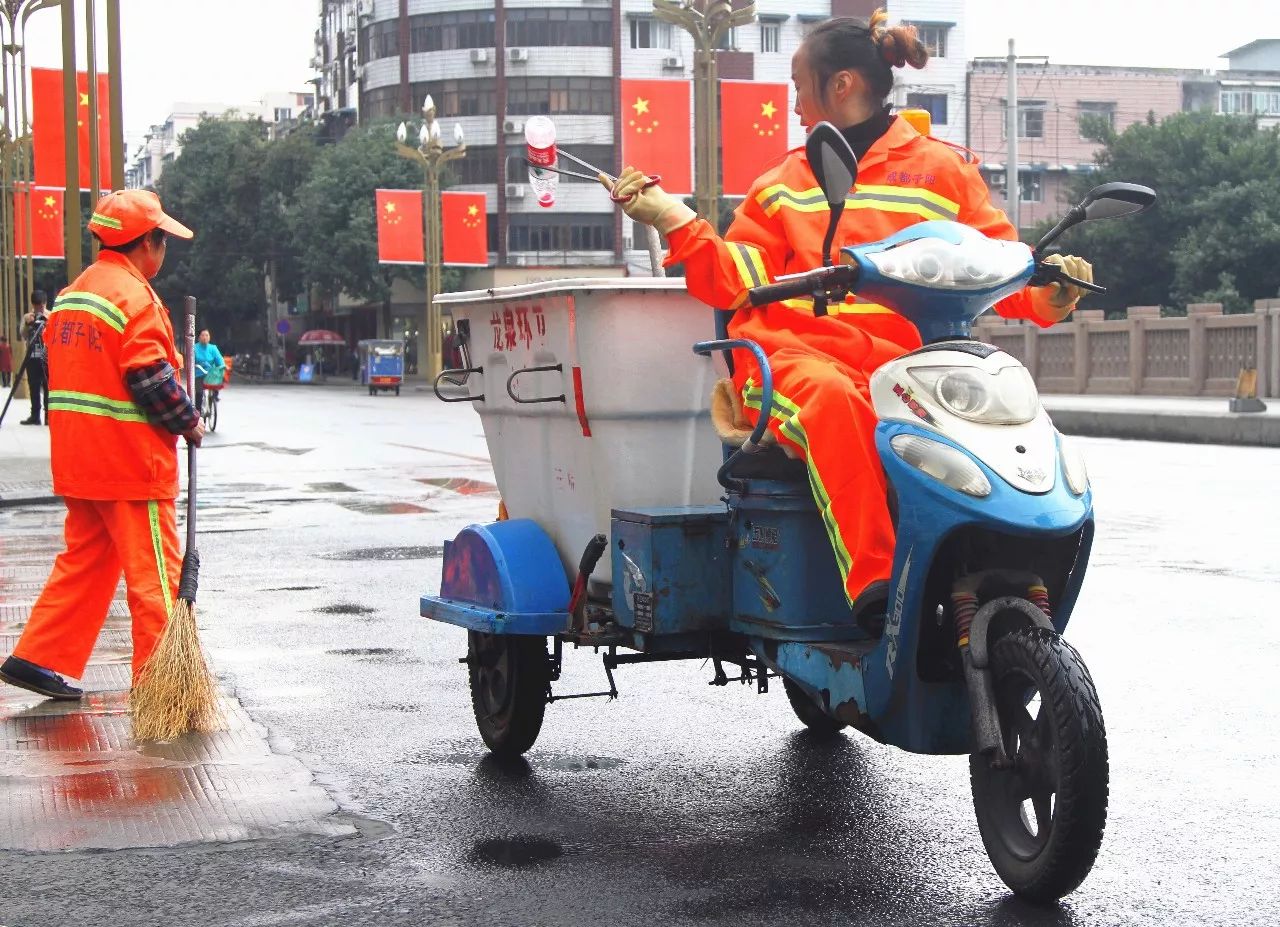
(107, 221)
(742, 262)
(64, 400)
(94, 305)
(157, 544)
(915, 200)
(805, 304)
(788, 415)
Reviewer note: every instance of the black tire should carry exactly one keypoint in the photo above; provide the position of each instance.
(372, 391)
(210, 410)
(509, 674)
(1042, 819)
(397, 391)
(811, 716)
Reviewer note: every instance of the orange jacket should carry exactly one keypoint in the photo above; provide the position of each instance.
(107, 322)
(778, 229)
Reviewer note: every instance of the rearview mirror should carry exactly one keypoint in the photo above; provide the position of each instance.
(1112, 200)
(835, 167)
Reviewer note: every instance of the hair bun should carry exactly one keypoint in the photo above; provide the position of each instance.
(899, 45)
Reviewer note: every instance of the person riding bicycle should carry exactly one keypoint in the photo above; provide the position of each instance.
(210, 367)
(822, 364)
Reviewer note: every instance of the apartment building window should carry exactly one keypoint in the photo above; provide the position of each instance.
(382, 40)
(475, 97)
(770, 36)
(647, 32)
(479, 166)
(569, 232)
(1093, 110)
(282, 114)
(728, 40)
(1249, 102)
(934, 103)
(549, 95)
(559, 26)
(430, 32)
(934, 37)
(1031, 186)
(1031, 119)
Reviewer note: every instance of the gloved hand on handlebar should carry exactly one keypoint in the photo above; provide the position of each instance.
(1055, 301)
(648, 204)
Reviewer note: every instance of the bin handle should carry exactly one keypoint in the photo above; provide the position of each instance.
(543, 369)
(457, 376)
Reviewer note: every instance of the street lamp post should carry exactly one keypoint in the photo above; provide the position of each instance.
(432, 155)
(707, 21)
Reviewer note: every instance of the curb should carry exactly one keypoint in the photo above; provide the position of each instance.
(10, 502)
(1239, 429)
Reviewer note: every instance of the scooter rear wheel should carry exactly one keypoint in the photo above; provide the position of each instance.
(811, 716)
(1042, 819)
(509, 675)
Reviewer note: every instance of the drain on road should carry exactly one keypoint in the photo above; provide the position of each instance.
(387, 553)
(344, 608)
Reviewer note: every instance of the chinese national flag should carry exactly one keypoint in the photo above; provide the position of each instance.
(46, 223)
(400, 227)
(48, 128)
(753, 127)
(466, 229)
(655, 131)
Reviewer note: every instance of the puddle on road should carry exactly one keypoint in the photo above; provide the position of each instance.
(517, 851)
(289, 589)
(386, 553)
(345, 608)
(461, 485)
(383, 508)
(331, 487)
(388, 655)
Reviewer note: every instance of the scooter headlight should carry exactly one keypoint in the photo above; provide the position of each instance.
(1073, 466)
(1005, 397)
(942, 462)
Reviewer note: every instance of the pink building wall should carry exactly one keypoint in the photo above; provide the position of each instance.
(1131, 92)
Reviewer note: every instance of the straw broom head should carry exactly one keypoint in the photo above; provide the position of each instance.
(175, 693)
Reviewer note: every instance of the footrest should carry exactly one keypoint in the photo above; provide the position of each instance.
(489, 621)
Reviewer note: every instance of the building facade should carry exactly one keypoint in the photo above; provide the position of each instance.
(1251, 84)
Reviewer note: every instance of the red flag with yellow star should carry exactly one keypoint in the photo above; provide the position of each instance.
(753, 128)
(655, 131)
(399, 226)
(49, 131)
(466, 229)
(46, 240)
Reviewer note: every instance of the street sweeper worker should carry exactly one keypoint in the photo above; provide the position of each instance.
(116, 409)
(843, 74)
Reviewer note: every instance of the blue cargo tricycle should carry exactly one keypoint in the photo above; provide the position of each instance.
(381, 364)
(961, 654)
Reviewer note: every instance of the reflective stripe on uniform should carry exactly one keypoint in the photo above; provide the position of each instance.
(747, 260)
(805, 304)
(107, 221)
(915, 200)
(93, 304)
(157, 544)
(64, 400)
(788, 415)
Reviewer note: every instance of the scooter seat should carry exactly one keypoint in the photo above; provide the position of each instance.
(771, 464)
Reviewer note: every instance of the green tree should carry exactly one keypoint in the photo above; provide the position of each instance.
(1215, 230)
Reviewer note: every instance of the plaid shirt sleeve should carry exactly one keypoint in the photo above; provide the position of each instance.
(155, 388)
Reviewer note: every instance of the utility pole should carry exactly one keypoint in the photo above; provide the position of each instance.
(1013, 193)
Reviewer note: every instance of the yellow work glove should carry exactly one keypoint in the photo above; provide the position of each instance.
(1056, 301)
(648, 205)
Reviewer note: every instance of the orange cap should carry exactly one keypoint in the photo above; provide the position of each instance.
(124, 215)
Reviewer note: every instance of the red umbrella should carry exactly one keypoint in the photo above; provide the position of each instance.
(321, 336)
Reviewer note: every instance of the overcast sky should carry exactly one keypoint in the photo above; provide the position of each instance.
(234, 51)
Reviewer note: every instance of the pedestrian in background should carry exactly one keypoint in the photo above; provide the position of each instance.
(117, 408)
(6, 362)
(38, 360)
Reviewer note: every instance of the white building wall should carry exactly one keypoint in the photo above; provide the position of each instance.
(941, 75)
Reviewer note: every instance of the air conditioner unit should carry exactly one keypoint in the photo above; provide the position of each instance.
(517, 54)
(316, 63)
(673, 62)
(512, 126)
(357, 72)
(365, 8)
(515, 191)
(479, 56)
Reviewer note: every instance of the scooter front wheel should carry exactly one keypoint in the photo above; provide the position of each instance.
(1042, 817)
(819, 723)
(509, 675)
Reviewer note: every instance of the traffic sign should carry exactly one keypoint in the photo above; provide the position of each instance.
(282, 327)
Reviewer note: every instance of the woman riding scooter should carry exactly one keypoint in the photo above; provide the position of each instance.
(822, 361)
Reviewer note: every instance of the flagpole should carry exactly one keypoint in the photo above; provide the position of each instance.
(95, 151)
(70, 103)
(115, 99)
(6, 195)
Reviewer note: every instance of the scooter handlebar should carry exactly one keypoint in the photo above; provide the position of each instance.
(802, 284)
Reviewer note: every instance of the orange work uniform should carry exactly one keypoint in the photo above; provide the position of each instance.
(117, 472)
(822, 364)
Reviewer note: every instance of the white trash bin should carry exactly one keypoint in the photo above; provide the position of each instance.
(626, 419)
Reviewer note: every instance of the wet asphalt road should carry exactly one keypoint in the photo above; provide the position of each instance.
(679, 804)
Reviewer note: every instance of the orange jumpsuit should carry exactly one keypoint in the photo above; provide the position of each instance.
(822, 365)
(117, 472)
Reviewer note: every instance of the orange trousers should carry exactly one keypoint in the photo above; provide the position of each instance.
(138, 538)
(822, 409)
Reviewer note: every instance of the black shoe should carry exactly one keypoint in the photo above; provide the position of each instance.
(29, 421)
(37, 679)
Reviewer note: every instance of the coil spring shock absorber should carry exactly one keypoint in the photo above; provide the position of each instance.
(1039, 597)
(966, 606)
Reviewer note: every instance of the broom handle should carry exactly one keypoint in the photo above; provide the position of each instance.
(189, 304)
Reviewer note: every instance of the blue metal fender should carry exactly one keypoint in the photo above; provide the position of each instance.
(502, 578)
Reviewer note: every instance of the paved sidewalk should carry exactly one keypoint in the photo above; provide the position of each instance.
(1191, 420)
(24, 464)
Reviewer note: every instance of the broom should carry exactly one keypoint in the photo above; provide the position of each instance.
(175, 693)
